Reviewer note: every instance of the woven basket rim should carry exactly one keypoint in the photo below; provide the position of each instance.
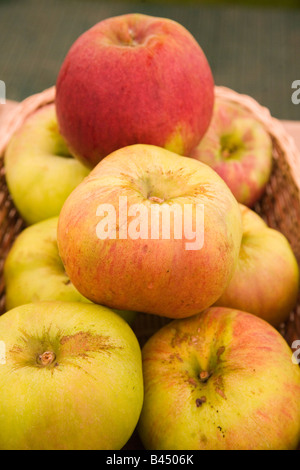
(20, 112)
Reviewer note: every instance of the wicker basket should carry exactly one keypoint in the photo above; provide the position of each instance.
(279, 206)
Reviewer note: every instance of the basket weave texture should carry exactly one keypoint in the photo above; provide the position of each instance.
(279, 206)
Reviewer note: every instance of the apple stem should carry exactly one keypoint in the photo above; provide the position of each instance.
(47, 358)
(156, 199)
(204, 376)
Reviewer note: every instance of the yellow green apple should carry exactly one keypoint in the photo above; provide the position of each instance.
(266, 280)
(151, 231)
(131, 79)
(33, 270)
(70, 378)
(40, 172)
(220, 380)
(239, 149)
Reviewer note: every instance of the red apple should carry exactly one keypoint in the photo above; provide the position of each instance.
(220, 380)
(134, 79)
(266, 280)
(239, 149)
(151, 231)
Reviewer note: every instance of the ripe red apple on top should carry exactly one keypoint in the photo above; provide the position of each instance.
(133, 79)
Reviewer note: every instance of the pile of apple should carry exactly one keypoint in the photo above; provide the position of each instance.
(138, 186)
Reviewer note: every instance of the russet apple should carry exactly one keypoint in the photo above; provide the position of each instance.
(70, 378)
(220, 380)
(239, 149)
(40, 172)
(150, 231)
(33, 270)
(131, 79)
(266, 280)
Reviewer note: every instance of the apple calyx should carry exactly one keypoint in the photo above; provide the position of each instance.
(200, 401)
(46, 359)
(230, 147)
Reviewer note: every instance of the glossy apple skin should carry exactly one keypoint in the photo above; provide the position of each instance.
(156, 276)
(33, 270)
(246, 398)
(239, 149)
(88, 398)
(40, 172)
(266, 280)
(133, 79)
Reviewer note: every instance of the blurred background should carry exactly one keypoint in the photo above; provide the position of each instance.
(253, 46)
